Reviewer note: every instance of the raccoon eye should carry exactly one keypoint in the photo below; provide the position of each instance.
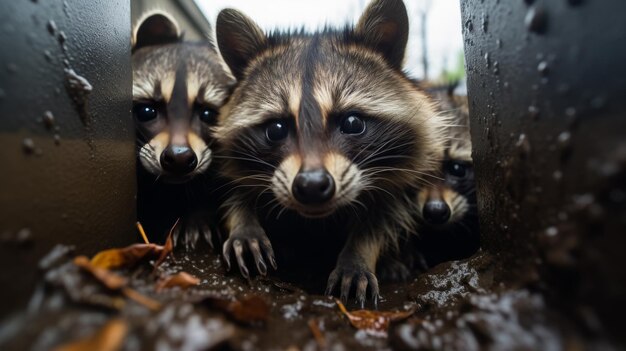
(145, 112)
(276, 131)
(456, 169)
(208, 115)
(352, 125)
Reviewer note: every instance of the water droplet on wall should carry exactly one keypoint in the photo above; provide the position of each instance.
(536, 20)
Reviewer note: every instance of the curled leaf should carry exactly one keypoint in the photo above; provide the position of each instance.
(182, 280)
(109, 338)
(168, 247)
(375, 323)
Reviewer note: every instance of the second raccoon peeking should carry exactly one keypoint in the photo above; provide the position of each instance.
(321, 154)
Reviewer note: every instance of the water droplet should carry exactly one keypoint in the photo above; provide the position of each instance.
(537, 20)
(543, 68)
(48, 119)
(499, 43)
(533, 112)
(523, 145)
(564, 139)
(552, 231)
(487, 60)
(496, 68)
(485, 22)
(469, 25)
(62, 38)
(52, 27)
(48, 55)
(28, 145)
(57, 139)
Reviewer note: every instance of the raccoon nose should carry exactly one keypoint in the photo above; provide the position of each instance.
(313, 187)
(436, 212)
(178, 160)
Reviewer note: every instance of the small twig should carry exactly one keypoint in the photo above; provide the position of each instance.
(317, 334)
(141, 299)
(143, 233)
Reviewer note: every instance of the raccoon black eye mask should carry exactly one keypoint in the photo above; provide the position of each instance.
(322, 137)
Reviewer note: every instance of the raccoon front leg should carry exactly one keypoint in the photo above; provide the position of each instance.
(356, 265)
(246, 234)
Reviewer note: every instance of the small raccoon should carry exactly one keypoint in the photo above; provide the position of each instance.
(323, 135)
(447, 208)
(178, 88)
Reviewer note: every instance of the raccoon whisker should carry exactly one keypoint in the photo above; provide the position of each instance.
(374, 187)
(258, 198)
(254, 177)
(389, 157)
(375, 170)
(376, 152)
(280, 212)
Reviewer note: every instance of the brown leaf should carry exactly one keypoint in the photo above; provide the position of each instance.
(249, 310)
(127, 256)
(107, 278)
(375, 323)
(168, 247)
(109, 338)
(182, 280)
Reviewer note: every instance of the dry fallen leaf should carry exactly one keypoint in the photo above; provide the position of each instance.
(182, 280)
(168, 247)
(127, 256)
(109, 338)
(249, 310)
(375, 323)
(107, 278)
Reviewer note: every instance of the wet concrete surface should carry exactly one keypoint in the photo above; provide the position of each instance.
(454, 306)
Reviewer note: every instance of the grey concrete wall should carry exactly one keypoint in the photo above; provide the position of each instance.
(66, 134)
(547, 102)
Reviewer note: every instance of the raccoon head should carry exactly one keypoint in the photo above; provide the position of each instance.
(178, 88)
(448, 201)
(323, 119)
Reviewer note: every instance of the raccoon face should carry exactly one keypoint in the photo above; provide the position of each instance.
(323, 120)
(449, 200)
(178, 88)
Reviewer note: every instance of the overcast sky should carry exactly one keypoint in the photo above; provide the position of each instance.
(444, 23)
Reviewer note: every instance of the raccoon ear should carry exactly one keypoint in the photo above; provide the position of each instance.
(156, 29)
(385, 28)
(239, 39)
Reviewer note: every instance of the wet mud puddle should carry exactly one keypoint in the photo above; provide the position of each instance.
(147, 297)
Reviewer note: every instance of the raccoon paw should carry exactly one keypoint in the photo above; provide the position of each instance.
(253, 240)
(357, 273)
(190, 230)
(392, 270)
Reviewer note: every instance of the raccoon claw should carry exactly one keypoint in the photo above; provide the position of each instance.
(360, 276)
(256, 243)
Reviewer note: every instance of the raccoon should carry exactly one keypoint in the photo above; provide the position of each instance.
(323, 136)
(447, 208)
(178, 88)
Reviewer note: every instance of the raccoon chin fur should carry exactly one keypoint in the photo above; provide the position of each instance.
(178, 87)
(325, 138)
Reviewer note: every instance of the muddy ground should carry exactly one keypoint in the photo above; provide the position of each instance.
(454, 306)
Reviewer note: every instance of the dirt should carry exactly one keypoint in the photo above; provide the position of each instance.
(455, 305)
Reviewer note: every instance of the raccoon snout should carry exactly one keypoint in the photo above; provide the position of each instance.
(178, 160)
(313, 187)
(436, 212)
